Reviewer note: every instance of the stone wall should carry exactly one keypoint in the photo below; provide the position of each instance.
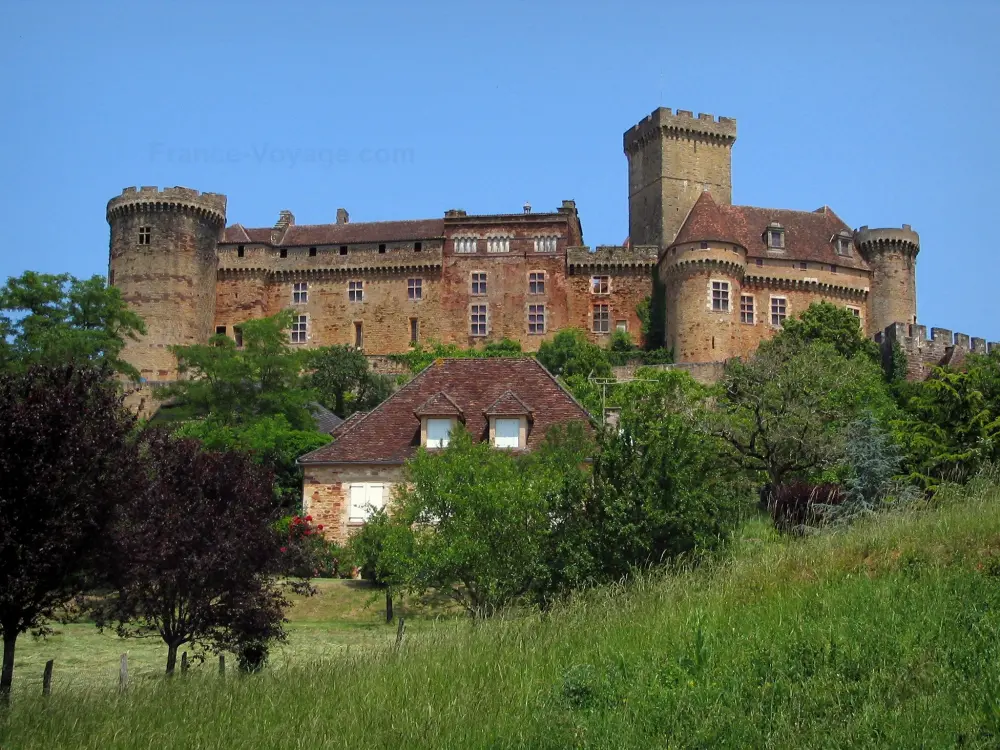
(924, 353)
(326, 494)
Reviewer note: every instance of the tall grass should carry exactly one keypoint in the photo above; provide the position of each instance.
(882, 635)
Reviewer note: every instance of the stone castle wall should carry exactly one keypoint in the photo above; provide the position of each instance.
(924, 353)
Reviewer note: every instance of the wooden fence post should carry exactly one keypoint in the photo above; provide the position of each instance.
(222, 664)
(399, 632)
(184, 662)
(123, 673)
(47, 678)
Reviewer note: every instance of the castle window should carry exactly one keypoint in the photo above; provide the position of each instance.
(283, 252)
(415, 289)
(414, 330)
(220, 330)
(417, 246)
(602, 319)
(300, 293)
(760, 262)
(145, 235)
(355, 291)
(833, 269)
(343, 249)
(240, 251)
(300, 329)
(478, 283)
(803, 266)
(477, 320)
(536, 318)
(238, 335)
(779, 310)
(359, 335)
(775, 236)
(545, 244)
(536, 282)
(843, 242)
(381, 248)
(312, 252)
(621, 325)
(466, 244)
(600, 284)
(720, 296)
(855, 311)
(498, 244)
(746, 309)
(704, 245)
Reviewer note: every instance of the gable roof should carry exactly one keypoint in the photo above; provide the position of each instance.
(510, 404)
(390, 433)
(326, 420)
(297, 235)
(438, 405)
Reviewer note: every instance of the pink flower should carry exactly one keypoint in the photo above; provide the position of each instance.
(284, 549)
(309, 518)
(320, 527)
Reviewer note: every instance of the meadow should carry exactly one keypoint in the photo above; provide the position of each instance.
(885, 634)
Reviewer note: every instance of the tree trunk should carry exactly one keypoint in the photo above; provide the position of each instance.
(7, 675)
(171, 658)
(388, 605)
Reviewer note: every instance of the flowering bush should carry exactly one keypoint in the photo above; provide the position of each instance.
(308, 553)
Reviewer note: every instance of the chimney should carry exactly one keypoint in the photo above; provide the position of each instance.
(568, 207)
(342, 216)
(454, 213)
(285, 219)
(527, 207)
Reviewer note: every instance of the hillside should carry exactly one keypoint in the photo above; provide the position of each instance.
(886, 635)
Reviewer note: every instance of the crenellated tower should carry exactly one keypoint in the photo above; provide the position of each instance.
(672, 159)
(163, 259)
(892, 256)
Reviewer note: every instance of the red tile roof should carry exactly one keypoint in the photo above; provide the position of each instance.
(391, 432)
(809, 235)
(707, 220)
(439, 405)
(509, 404)
(342, 234)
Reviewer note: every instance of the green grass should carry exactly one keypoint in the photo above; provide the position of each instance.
(886, 635)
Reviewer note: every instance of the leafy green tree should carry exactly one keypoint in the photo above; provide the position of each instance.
(58, 319)
(834, 325)
(67, 462)
(343, 381)
(236, 386)
(420, 357)
(570, 353)
(950, 426)
(784, 412)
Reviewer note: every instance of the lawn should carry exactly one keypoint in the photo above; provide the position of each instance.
(884, 635)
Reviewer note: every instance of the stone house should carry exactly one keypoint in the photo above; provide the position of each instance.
(510, 402)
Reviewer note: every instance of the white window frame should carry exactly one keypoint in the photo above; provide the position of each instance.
(145, 236)
(746, 310)
(774, 313)
(510, 424)
(536, 319)
(364, 498)
(299, 332)
(466, 244)
(498, 244)
(475, 311)
(724, 289)
(606, 313)
(415, 289)
(546, 244)
(440, 437)
(778, 231)
(300, 293)
(356, 290)
(856, 311)
(597, 283)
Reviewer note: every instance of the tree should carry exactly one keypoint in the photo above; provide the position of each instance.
(784, 412)
(66, 462)
(837, 326)
(570, 353)
(195, 554)
(53, 320)
(238, 385)
(344, 382)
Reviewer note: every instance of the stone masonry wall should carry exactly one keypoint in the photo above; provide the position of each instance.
(924, 353)
(325, 494)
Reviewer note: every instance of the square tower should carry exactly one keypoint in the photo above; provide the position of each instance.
(672, 159)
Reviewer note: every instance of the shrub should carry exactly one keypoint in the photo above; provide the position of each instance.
(795, 506)
(308, 553)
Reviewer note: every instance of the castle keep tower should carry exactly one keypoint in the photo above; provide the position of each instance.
(163, 258)
(672, 158)
(892, 256)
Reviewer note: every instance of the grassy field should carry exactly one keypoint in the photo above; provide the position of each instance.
(886, 635)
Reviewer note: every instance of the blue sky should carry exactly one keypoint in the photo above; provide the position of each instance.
(885, 111)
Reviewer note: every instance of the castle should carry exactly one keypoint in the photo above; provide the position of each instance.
(730, 274)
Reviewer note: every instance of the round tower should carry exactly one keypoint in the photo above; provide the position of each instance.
(703, 274)
(163, 259)
(892, 256)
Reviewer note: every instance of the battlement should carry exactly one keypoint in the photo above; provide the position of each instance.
(612, 256)
(212, 205)
(683, 123)
(882, 239)
(924, 353)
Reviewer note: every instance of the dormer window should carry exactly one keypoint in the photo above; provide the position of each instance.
(507, 432)
(843, 243)
(438, 432)
(775, 236)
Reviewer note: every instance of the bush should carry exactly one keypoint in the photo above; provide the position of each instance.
(251, 657)
(795, 506)
(308, 554)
